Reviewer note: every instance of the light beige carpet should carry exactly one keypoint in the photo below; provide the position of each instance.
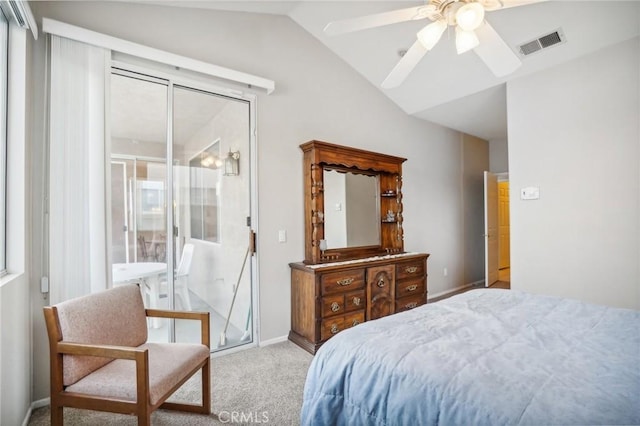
(259, 385)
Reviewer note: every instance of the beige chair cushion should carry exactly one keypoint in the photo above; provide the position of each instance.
(168, 364)
(113, 317)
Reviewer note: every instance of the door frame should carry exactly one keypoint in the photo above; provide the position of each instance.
(490, 234)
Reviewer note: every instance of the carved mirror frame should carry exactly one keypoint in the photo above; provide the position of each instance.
(317, 156)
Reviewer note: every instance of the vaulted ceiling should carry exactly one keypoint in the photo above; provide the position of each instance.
(457, 91)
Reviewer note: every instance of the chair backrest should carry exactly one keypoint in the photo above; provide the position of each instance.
(185, 260)
(113, 317)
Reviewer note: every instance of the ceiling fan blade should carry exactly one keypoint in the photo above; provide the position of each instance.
(375, 20)
(495, 53)
(515, 3)
(491, 5)
(404, 67)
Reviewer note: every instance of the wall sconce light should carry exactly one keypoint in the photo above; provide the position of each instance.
(232, 164)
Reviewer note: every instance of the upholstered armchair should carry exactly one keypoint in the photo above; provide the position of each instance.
(101, 360)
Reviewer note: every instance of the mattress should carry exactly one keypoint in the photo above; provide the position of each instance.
(484, 357)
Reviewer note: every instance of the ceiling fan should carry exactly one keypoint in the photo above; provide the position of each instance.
(471, 32)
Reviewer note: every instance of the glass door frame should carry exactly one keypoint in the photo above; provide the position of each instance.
(162, 74)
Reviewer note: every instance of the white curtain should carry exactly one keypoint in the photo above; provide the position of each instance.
(77, 214)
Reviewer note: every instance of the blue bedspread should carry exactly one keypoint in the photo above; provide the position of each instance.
(485, 357)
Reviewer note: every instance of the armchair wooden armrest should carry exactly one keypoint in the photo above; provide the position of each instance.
(164, 313)
(104, 351)
(203, 317)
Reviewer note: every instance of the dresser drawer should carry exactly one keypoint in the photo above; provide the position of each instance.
(339, 303)
(410, 269)
(332, 305)
(354, 300)
(406, 303)
(410, 287)
(348, 280)
(331, 326)
(351, 320)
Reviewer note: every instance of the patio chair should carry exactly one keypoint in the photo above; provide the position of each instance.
(181, 278)
(101, 360)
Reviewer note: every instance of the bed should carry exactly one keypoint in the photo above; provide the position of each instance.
(484, 357)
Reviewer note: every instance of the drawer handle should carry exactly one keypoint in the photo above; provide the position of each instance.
(334, 329)
(345, 281)
(355, 322)
(335, 307)
(356, 301)
(381, 282)
(411, 305)
(411, 269)
(412, 287)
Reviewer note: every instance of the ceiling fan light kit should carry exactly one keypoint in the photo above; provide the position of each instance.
(431, 34)
(466, 16)
(465, 40)
(470, 16)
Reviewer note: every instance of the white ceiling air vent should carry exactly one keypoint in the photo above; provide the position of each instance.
(552, 39)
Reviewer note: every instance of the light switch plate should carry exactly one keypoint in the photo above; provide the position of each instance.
(530, 193)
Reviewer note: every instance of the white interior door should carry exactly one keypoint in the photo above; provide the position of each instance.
(490, 228)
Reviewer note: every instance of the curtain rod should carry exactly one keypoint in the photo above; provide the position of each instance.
(94, 38)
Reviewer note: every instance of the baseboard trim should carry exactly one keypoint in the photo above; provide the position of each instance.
(273, 341)
(25, 422)
(479, 283)
(35, 404)
(452, 291)
(446, 292)
(40, 403)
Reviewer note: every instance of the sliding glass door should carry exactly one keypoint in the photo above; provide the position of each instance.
(211, 196)
(181, 204)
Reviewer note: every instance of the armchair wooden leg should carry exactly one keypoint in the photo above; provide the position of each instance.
(57, 415)
(144, 419)
(206, 387)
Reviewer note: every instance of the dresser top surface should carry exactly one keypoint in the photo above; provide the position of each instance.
(358, 263)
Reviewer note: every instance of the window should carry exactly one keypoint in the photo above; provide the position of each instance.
(4, 76)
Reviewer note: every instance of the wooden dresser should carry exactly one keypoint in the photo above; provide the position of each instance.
(355, 266)
(329, 298)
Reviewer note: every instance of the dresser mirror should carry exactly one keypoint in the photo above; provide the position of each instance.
(353, 203)
(352, 208)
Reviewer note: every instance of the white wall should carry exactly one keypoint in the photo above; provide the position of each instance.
(498, 156)
(317, 97)
(574, 132)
